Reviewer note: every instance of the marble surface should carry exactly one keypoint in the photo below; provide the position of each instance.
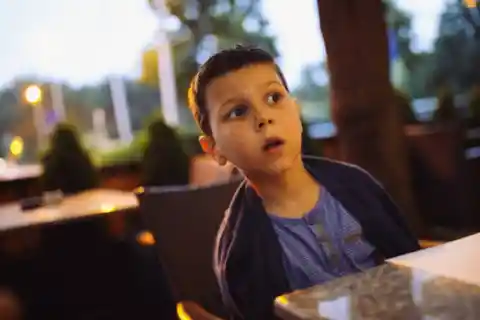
(386, 292)
(458, 259)
(88, 203)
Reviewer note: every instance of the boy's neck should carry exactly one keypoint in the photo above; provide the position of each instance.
(293, 188)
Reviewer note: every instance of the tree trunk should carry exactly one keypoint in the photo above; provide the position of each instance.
(370, 132)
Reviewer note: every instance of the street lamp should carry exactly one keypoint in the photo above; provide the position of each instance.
(34, 96)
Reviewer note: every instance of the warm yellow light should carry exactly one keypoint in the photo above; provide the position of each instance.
(139, 190)
(145, 238)
(181, 313)
(470, 3)
(281, 300)
(33, 94)
(16, 146)
(107, 208)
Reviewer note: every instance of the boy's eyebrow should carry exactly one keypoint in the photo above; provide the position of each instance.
(228, 101)
(272, 82)
(266, 85)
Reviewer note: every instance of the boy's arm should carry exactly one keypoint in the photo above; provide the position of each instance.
(244, 296)
(249, 300)
(394, 212)
(390, 208)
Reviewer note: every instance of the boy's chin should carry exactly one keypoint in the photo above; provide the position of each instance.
(279, 166)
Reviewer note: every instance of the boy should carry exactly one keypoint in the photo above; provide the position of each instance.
(296, 221)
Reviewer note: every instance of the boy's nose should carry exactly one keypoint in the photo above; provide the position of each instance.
(261, 122)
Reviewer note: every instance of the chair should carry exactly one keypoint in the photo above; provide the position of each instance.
(184, 222)
(440, 177)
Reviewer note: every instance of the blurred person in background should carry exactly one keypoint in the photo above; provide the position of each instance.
(67, 165)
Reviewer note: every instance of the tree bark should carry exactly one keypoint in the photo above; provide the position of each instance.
(369, 129)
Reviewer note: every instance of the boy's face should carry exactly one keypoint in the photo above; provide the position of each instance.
(255, 123)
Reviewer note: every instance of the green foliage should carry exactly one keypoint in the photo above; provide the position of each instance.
(446, 110)
(310, 89)
(313, 95)
(457, 50)
(135, 151)
(132, 152)
(418, 64)
(216, 25)
(67, 165)
(420, 81)
(164, 161)
(16, 116)
(400, 22)
(10, 111)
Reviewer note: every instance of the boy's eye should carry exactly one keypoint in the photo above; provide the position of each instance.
(273, 98)
(236, 112)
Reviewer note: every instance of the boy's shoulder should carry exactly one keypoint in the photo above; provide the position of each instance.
(330, 173)
(328, 169)
(325, 171)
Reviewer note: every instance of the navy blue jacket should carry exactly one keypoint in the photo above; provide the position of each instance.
(248, 257)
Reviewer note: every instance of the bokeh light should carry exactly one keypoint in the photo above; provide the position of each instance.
(33, 94)
(470, 3)
(16, 146)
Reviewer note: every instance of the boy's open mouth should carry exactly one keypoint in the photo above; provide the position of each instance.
(272, 143)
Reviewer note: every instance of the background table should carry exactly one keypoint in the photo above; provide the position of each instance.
(20, 172)
(85, 204)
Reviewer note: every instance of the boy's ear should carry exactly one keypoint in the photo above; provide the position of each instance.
(206, 143)
(208, 146)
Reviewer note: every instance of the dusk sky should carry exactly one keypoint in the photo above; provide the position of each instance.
(83, 41)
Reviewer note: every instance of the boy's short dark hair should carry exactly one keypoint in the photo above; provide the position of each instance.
(218, 65)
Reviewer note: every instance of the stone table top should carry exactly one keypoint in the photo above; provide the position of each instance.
(437, 283)
(459, 259)
(85, 204)
(388, 292)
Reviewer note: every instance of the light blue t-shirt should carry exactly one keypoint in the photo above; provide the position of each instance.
(326, 243)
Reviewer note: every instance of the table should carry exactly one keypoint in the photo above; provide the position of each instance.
(20, 172)
(436, 283)
(89, 203)
(459, 259)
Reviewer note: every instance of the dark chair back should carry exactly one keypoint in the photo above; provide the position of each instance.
(439, 172)
(184, 222)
